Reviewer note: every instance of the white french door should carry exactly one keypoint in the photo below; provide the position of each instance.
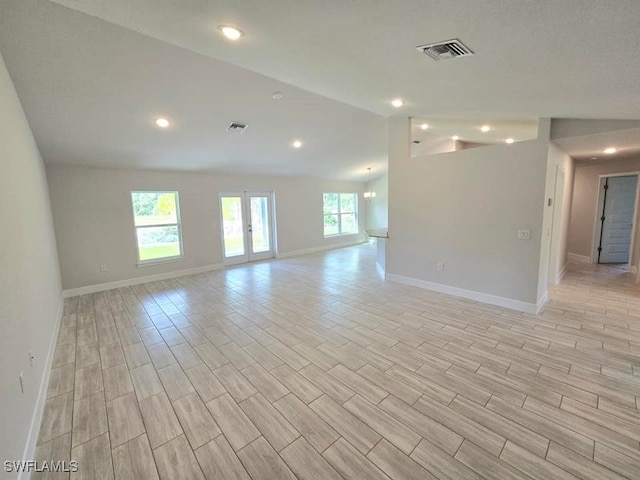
(247, 226)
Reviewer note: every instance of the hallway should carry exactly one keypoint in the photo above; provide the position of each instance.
(606, 290)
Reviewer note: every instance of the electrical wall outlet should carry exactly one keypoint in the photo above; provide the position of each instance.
(31, 358)
(524, 234)
(440, 266)
(103, 267)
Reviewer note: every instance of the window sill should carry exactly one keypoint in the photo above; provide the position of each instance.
(148, 263)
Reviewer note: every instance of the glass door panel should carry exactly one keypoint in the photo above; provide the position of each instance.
(260, 232)
(233, 228)
(247, 226)
(260, 225)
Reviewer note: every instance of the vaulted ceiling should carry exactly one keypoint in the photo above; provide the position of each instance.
(93, 74)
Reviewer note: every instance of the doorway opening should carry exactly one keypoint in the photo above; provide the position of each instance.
(615, 219)
(248, 229)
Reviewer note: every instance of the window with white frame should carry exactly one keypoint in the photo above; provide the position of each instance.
(340, 213)
(157, 221)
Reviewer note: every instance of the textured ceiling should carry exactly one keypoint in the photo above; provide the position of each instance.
(544, 58)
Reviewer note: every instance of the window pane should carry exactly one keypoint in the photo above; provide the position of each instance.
(232, 226)
(154, 208)
(330, 203)
(331, 225)
(347, 202)
(349, 224)
(259, 225)
(158, 242)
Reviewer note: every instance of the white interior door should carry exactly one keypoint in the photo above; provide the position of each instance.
(618, 212)
(247, 226)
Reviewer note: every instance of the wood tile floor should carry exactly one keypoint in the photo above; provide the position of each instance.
(314, 368)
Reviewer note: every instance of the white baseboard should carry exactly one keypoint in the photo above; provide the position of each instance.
(333, 246)
(72, 292)
(470, 294)
(542, 301)
(29, 452)
(560, 275)
(574, 257)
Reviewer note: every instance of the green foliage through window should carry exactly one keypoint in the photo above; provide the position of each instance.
(340, 213)
(157, 222)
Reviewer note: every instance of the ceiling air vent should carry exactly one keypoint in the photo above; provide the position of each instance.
(446, 50)
(237, 127)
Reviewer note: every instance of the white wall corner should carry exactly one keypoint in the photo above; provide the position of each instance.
(100, 287)
(34, 429)
(380, 270)
(544, 129)
(542, 301)
(574, 257)
(560, 275)
(463, 293)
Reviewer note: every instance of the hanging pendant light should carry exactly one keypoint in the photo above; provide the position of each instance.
(369, 194)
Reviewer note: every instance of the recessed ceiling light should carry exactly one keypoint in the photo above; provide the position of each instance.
(296, 144)
(277, 95)
(593, 158)
(424, 126)
(485, 128)
(232, 33)
(455, 137)
(509, 140)
(397, 102)
(162, 122)
(610, 150)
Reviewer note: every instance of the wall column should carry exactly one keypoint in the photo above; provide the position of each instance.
(399, 156)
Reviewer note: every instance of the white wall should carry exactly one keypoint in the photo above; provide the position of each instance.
(30, 290)
(573, 127)
(585, 201)
(94, 221)
(564, 167)
(544, 128)
(464, 209)
(378, 207)
(432, 144)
